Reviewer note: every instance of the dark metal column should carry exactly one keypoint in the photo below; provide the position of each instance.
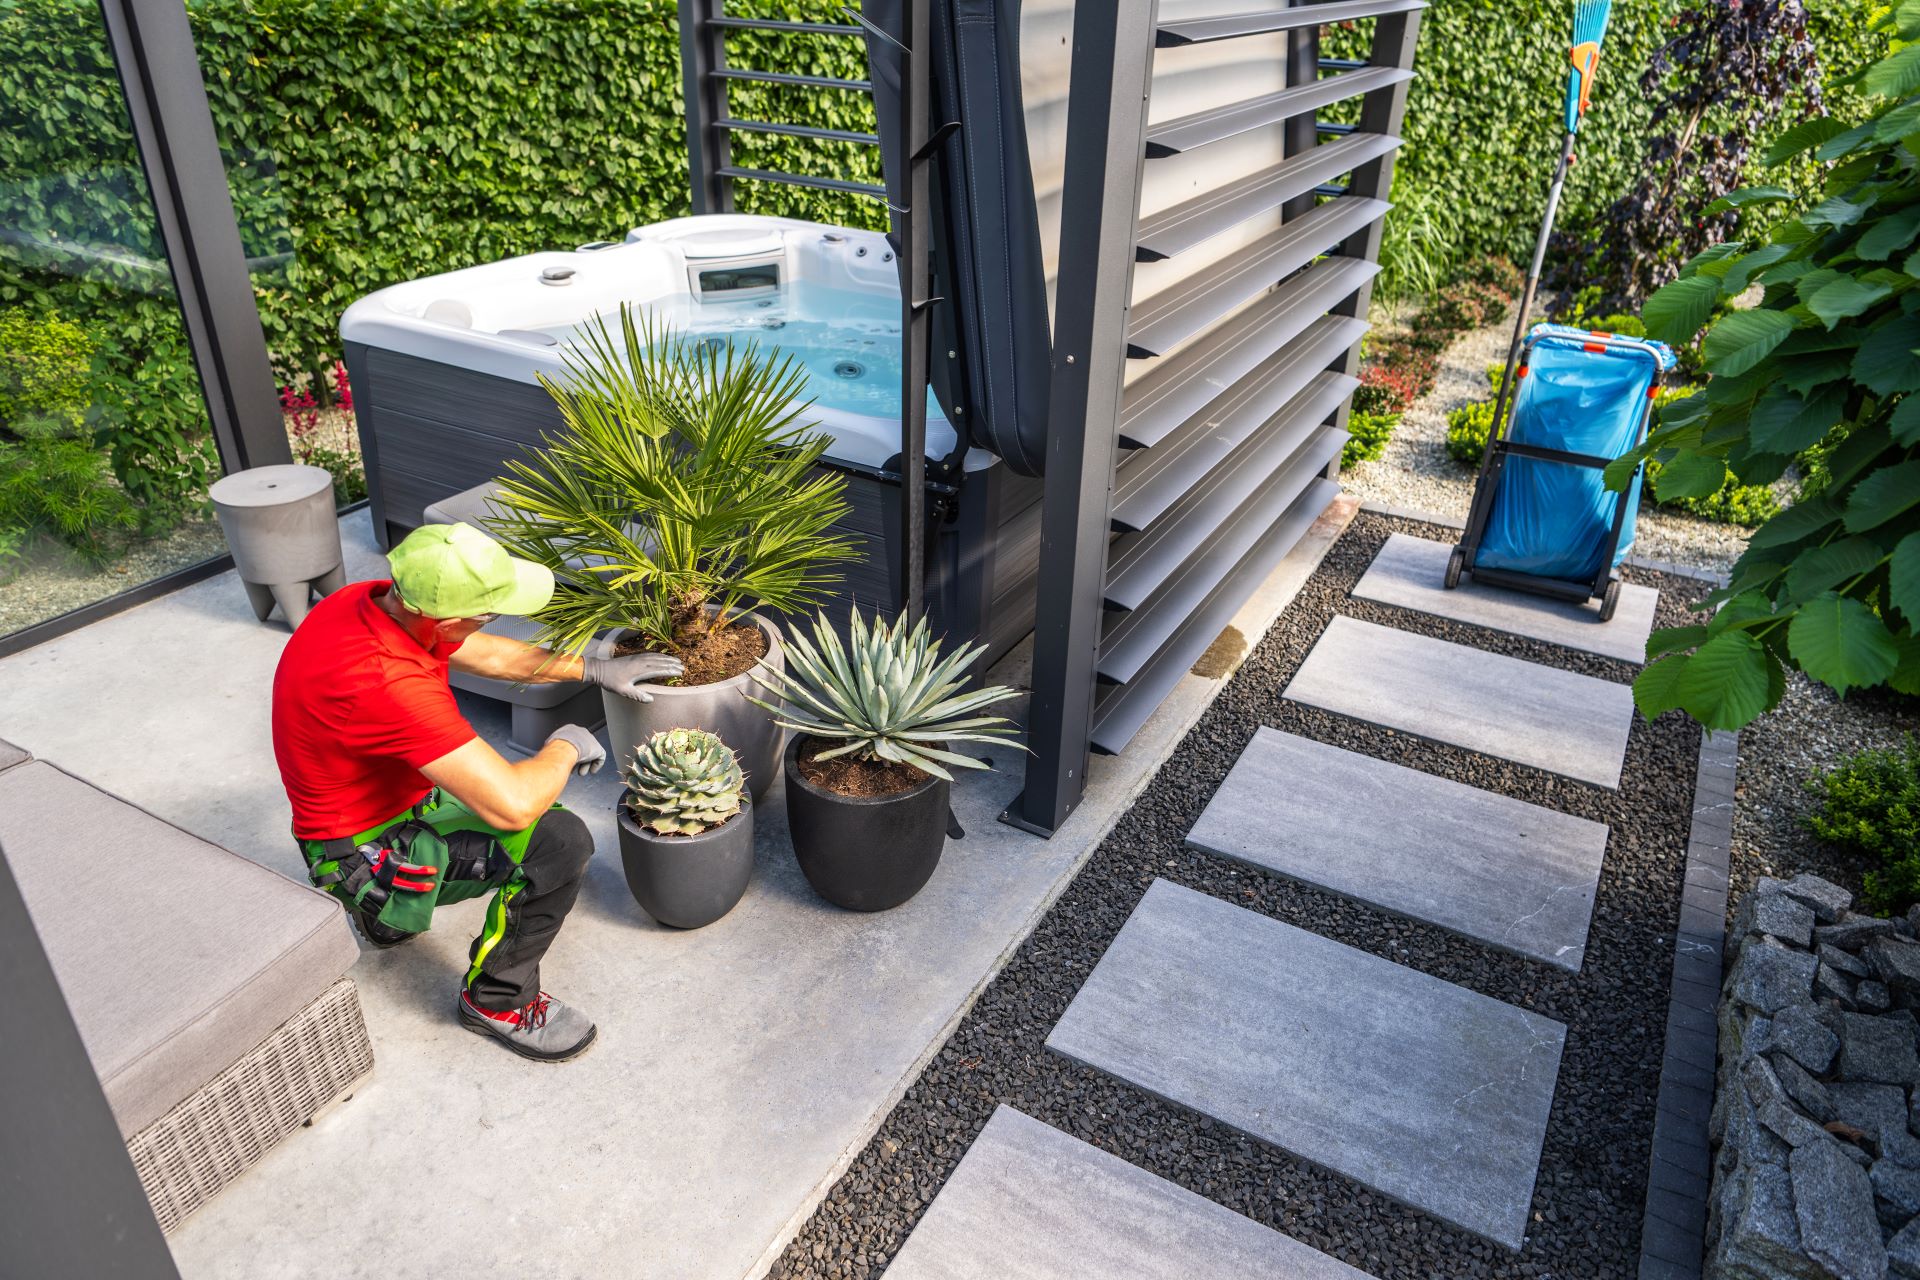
(152, 45)
(916, 313)
(70, 1202)
(703, 51)
(1106, 130)
(1302, 133)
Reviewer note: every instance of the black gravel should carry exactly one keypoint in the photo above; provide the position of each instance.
(1590, 1193)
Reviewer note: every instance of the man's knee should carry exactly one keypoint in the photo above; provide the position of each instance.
(560, 848)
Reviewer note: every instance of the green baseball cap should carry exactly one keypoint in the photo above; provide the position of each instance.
(456, 571)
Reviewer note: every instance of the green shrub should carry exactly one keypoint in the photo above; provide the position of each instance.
(1731, 503)
(53, 481)
(1467, 430)
(1368, 435)
(348, 471)
(1870, 806)
(46, 365)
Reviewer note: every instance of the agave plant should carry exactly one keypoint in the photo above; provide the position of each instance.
(886, 695)
(683, 782)
(684, 477)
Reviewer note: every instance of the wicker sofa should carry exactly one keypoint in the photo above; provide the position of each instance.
(211, 993)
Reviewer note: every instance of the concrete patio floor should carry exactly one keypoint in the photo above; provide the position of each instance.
(739, 1068)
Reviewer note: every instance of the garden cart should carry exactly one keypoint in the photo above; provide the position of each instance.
(1569, 404)
(1542, 518)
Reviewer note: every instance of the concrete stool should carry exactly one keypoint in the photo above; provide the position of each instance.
(284, 534)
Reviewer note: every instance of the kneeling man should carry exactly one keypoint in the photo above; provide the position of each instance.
(398, 805)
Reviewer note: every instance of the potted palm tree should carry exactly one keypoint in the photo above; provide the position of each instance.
(680, 493)
(686, 828)
(867, 784)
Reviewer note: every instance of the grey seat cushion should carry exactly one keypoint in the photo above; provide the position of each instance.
(176, 956)
(11, 755)
(469, 506)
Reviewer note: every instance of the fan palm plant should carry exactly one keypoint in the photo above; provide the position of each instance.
(683, 478)
(886, 695)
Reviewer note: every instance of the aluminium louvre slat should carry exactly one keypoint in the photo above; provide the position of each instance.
(1175, 230)
(802, 180)
(1172, 316)
(1131, 639)
(1275, 398)
(1232, 26)
(791, 80)
(1139, 564)
(788, 28)
(733, 125)
(1158, 402)
(1124, 708)
(1334, 130)
(1190, 132)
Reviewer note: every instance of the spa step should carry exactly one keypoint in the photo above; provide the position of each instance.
(1501, 871)
(1173, 231)
(1130, 640)
(1198, 130)
(1122, 709)
(1559, 721)
(1424, 1091)
(1031, 1202)
(1234, 25)
(1293, 392)
(1174, 315)
(1173, 390)
(1409, 573)
(1139, 564)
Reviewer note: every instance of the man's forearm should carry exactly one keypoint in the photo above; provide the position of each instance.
(500, 658)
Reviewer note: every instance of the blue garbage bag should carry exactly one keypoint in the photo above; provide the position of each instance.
(1584, 394)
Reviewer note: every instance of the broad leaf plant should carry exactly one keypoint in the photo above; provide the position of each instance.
(1826, 362)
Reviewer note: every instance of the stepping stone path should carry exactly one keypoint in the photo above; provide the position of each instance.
(1424, 1091)
(1408, 573)
(1559, 721)
(1029, 1202)
(1510, 874)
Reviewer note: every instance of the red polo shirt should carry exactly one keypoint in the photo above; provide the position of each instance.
(358, 708)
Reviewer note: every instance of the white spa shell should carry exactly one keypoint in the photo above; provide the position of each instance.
(491, 318)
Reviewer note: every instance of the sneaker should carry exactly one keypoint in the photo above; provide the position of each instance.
(379, 936)
(542, 1029)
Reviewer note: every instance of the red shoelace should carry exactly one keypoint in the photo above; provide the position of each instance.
(530, 1016)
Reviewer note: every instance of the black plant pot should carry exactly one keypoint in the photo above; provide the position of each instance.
(688, 881)
(865, 853)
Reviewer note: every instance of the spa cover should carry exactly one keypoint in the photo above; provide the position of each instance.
(987, 258)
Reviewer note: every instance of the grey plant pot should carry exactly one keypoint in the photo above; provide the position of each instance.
(688, 882)
(285, 537)
(721, 709)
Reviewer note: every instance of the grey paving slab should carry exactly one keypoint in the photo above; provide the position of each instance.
(1029, 1202)
(1424, 1091)
(1560, 721)
(1408, 571)
(1501, 871)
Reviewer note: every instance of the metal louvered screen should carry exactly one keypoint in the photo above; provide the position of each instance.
(1172, 493)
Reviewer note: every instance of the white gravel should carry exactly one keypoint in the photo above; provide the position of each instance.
(1415, 473)
(52, 580)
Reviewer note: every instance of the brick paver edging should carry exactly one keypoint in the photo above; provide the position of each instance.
(1673, 1237)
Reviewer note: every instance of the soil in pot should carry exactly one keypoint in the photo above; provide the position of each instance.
(710, 656)
(846, 776)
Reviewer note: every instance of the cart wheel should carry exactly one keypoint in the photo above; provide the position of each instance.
(1610, 601)
(1455, 563)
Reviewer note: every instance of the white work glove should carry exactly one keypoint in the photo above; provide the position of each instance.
(587, 747)
(627, 675)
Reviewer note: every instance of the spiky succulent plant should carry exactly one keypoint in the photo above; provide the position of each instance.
(887, 695)
(683, 782)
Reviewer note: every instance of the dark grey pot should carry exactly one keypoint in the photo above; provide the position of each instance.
(688, 881)
(721, 709)
(865, 853)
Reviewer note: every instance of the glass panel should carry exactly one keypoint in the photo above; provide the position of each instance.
(105, 448)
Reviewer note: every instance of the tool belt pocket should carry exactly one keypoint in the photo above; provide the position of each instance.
(341, 868)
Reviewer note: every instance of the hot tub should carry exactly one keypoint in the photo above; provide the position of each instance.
(445, 373)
